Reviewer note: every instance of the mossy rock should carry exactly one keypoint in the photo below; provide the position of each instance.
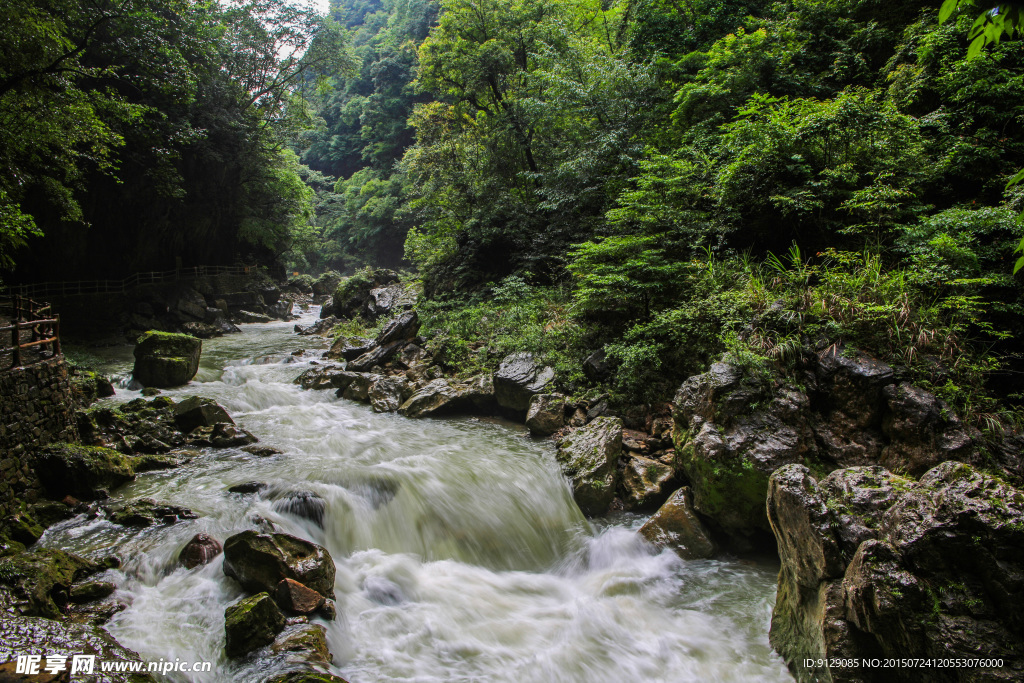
(260, 561)
(251, 623)
(165, 359)
(588, 456)
(308, 641)
(305, 677)
(82, 471)
(42, 579)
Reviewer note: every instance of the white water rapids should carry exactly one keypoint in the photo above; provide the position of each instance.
(461, 555)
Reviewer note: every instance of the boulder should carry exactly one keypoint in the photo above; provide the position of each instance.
(355, 386)
(675, 525)
(325, 284)
(251, 623)
(304, 642)
(260, 561)
(518, 378)
(646, 481)
(220, 435)
(305, 677)
(349, 348)
(244, 316)
(443, 397)
(294, 597)
(588, 456)
(320, 327)
(41, 579)
(401, 328)
(546, 414)
(304, 504)
(85, 472)
(385, 395)
(378, 355)
(282, 310)
(352, 296)
(236, 300)
(875, 565)
(91, 591)
(145, 512)
(247, 487)
(596, 367)
(202, 549)
(163, 359)
(196, 411)
(923, 431)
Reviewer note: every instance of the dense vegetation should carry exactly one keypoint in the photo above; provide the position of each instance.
(138, 132)
(663, 181)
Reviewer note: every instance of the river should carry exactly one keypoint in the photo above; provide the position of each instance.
(461, 555)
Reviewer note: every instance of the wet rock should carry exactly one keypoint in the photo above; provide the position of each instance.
(41, 579)
(877, 565)
(675, 525)
(261, 451)
(325, 377)
(91, 591)
(292, 596)
(443, 397)
(378, 355)
(646, 481)
(87, 386)
(325, 284)
(304, 504)
(147, 512)
(306, 642)
(84, 472)
(924, 431)
(518, 378)
(260, 561)
(247, 487)
(352, 298)
(165, 360)
(599, 408)
(201, 330)
(281, 310)
(244, 316)
(202, 549)
(350, 348)
(196, 411)
(220, 435)
(251, 623)
(402, 328)
(412, 355)
(320, 327)
(385, 395)
(355, 386)
(588, 456)
(546, 414)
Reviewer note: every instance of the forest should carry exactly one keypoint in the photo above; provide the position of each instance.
(655, 181)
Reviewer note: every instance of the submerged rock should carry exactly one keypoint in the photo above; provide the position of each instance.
(675, 525)
(588, 456)
(163, 359)
(260, 561)
(875, 565)
(251, 623)
(304, 504)
(202, 549)
(546, 414)
(518, 378)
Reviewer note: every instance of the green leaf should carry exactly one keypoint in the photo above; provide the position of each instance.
(948, 7)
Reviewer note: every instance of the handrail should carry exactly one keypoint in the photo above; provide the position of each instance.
(26, 314)
(71, 288)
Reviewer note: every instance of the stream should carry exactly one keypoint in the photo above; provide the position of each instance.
(461, 555)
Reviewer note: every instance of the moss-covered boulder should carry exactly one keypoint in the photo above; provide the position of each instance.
(647, 482)
(196, 411)
(164, 359)
(304, 643)
(81, 471)
(305, 677)
(41, 579)
(144, 512)
(251, 623)
(875, 565)
(546, 414)
(260, 561)
(589, 456)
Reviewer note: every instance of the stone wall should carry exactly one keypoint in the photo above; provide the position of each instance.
(35, 409)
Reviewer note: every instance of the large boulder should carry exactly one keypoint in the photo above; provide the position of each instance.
(675, 525)
(646, 481)
(352, 295)
(378, 355)
(251, 623)
(260, 561)
(546, 414)
(349, 348)
(401, 328)
(444, 397)
(202, 549)
(84, 472)
(519, 378)
(875, 565)
(385, 394)
(196, 411)
(306, 643)
(163, 359)
(41, 579)
(588, 456)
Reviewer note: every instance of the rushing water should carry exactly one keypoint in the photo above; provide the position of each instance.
(461, 555)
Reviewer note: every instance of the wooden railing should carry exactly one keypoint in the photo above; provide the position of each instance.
(40, 322)
(49, 289)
